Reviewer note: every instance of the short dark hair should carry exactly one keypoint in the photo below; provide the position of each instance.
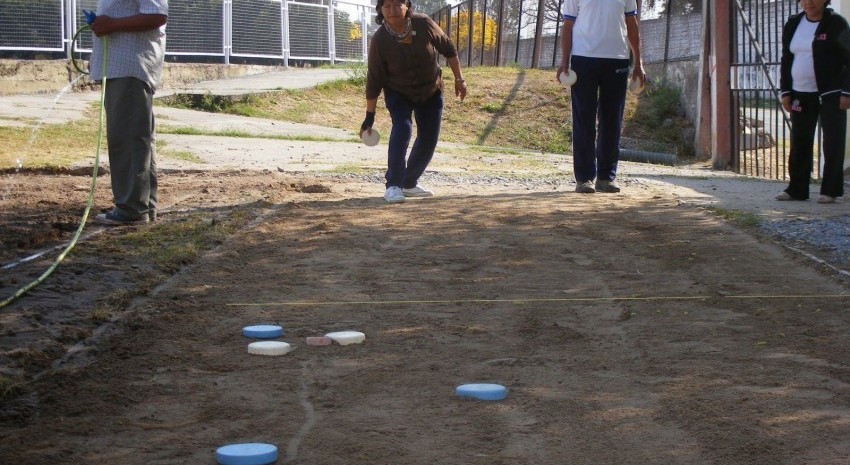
(379, 18)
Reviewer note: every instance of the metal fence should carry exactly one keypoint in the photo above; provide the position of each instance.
(504, 32)
(762, 127)
(527, 32)
(277, 31)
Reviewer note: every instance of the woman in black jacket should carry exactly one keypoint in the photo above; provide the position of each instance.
(815, 82)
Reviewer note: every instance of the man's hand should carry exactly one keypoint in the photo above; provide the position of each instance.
(102, 25)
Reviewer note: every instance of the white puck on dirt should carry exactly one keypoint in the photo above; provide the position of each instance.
(319, 341)
(482, 391)
(269, 348)
(370, 139)
(344, 338)
(262, 331)
(252, 453)
(569, 78)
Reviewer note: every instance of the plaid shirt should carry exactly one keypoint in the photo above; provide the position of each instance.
(131, 54)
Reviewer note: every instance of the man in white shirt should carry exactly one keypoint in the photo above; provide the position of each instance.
(596, 39)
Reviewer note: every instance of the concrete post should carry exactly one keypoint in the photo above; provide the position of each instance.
(720, 63)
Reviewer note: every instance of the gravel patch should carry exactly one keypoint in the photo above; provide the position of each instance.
(829, 236)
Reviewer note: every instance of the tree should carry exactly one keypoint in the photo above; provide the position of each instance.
(675, 7)
(485, 36)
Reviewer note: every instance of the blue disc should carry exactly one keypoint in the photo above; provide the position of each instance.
(262, 331)
(251, 453)
(482, 391)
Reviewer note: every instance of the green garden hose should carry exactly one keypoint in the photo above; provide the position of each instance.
(90, 200)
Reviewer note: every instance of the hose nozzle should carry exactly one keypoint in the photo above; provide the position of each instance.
(90, 16)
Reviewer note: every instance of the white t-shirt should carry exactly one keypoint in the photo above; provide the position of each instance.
(600, 26)
(803, 66)
(131, 54)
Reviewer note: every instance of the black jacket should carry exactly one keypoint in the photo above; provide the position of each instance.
(830, 52)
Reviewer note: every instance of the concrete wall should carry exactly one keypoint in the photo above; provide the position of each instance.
(681, 74)
(51, 76)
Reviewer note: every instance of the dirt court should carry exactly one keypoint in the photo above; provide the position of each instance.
(628, 329)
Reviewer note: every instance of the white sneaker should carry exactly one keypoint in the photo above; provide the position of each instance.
(827, 199)
(394, 195)
(417, 191)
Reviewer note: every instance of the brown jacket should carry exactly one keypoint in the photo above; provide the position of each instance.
(410, 69)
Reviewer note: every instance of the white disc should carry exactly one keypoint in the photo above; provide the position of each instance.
(370, 139)
(269, 348)
(569, 78)
(344, 338)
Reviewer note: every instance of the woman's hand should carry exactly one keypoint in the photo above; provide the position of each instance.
(368, 121)
(786, 103)
(844, 103)
(460, 88)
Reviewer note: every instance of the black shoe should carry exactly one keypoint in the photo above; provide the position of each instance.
(116, 218)
(585, 187)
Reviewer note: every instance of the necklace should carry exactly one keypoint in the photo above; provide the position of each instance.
(405, 32)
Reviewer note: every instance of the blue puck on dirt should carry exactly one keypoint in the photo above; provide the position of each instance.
(262, 331)
(252, 453)
(482, 391)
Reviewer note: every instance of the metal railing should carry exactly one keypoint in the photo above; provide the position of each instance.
(504, 32)
(762, 129)
(277, 31)
(527, 32)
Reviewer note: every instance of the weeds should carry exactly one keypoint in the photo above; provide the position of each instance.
(738, 218)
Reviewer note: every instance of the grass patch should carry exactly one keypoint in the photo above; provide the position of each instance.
(10, 387)
(175, 244)
(657, 116)
(186, 131)
(744, 219)
(50, 145)
(509, 108)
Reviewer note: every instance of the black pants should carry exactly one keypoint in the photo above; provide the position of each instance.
(805, 111)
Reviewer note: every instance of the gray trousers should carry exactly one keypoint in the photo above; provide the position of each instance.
(131, 143)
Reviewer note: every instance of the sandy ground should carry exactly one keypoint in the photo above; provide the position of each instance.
(631, 328)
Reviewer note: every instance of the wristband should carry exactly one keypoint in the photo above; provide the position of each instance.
(368, 121)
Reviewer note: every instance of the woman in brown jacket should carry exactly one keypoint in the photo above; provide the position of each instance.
(403, 64)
